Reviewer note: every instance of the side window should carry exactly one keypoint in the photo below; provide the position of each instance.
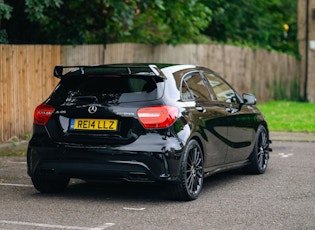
(186, 94)
(221, 89)
(193, 88)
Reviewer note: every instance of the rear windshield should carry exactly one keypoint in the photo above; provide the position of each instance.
(104, 90)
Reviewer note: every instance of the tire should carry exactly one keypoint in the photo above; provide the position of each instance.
(191, 175)
(260, 156)
(49, 184)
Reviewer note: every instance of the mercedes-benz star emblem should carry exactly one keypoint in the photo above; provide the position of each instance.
(92, 109)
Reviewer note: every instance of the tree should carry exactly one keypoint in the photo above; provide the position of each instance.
(19, 25)
(5, 13)
(107, 21)
(254, 22)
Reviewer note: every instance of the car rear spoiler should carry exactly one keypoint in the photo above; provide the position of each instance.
(125, 69)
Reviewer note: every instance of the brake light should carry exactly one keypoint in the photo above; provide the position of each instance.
(157, 117)
(42, 114)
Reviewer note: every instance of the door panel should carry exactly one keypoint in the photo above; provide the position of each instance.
(241, 134)
(216, 131)
(208, 118)
(239, 120)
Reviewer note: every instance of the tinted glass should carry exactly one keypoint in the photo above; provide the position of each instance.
(222, 90)
(104, 90)
(186, 94)
(194, 88)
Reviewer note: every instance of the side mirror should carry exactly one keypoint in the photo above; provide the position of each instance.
(58, 71)
(249, 99)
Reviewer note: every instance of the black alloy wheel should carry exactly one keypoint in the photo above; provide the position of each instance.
(191, 174)
(260, 155)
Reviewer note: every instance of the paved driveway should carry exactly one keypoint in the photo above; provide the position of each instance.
(282, 198)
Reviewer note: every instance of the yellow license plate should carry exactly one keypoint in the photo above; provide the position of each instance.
(93, 124)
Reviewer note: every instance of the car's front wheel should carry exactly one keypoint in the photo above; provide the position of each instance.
(191, 174)
(260, 155)
(49, 184)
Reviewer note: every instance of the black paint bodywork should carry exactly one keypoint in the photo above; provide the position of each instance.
(226, 132)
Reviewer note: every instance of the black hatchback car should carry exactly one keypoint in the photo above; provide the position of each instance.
(174, 124)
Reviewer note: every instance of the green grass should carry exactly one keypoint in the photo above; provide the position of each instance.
(12, 152)
(14, 149)
(289, 116)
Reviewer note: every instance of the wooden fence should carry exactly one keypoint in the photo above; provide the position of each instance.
(25, 80)
(26, 77)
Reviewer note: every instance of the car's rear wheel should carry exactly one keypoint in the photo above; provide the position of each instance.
(260, 155)
(49, 184)
(191, 174)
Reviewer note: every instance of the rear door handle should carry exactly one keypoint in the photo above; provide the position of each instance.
(229, 109)
(200, 108)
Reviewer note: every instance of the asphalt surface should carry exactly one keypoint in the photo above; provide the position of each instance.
(283, 198)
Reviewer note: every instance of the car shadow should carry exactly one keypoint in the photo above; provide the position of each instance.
(134, 192)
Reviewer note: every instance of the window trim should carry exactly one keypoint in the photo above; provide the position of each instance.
(205, 73)
(188, 88)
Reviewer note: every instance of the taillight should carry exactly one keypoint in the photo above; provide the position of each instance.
(157, 117)
(42, 114)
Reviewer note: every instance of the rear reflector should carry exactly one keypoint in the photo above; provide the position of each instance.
(157, 117)
(42, 114)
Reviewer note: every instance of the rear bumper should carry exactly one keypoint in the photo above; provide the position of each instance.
(108, 163)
